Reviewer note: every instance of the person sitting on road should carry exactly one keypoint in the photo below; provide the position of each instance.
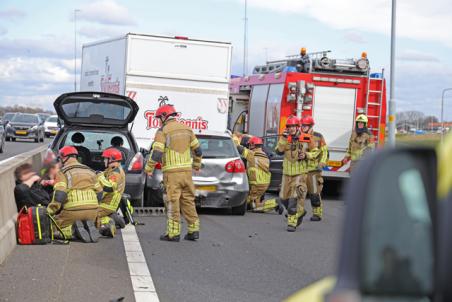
(76, 197)
(48, 174)
(28, 191)
(113, 181)
(117, 142)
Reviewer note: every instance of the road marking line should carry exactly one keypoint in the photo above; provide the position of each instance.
(142, 283)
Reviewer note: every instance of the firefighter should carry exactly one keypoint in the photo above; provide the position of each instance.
(258, 171)
(315, 167)
(75, 198)
(113, 181)
(178, 149)
(305, 62)
(293, 183)
(361, 142)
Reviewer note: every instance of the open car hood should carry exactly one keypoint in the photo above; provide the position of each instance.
(98, 109)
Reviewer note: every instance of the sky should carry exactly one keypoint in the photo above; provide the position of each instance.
(37, 39)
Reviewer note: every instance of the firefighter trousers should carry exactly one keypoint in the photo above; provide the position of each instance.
(293, 193)
(103, 216)
(255, 198)
(180, 198)
(315, 187)
(66, 218)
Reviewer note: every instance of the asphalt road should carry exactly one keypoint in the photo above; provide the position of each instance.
(250, 258)
(21, 146)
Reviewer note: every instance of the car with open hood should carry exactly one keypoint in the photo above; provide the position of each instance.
(94, 121)
(26, 126)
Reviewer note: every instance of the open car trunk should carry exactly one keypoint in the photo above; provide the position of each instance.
(97, 109)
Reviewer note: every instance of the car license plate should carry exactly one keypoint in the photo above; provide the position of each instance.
(334, 163)
(206, 188)
(21, 132)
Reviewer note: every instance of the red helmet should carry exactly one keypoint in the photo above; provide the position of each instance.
(165, 111)
(112, 154)
(292, 121)
(307, 120)
(256, 141)
(67, 151)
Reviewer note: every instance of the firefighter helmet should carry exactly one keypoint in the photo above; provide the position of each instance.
(292, 121)
(362, 118)
(307, 120)
(303, 51)
(67, 151)
(112, 154)
(255, 140)
(165, 111)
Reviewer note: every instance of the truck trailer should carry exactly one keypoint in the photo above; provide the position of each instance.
(193, 75)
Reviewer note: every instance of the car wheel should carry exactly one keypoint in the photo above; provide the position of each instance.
(2, 148)
(154, 198)
(47, 135)
(13, 139)
(240, 210)
(37, 139)
(42, 138)
(8, 139)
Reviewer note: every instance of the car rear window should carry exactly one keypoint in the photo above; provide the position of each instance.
(217, 147)
(95, 141)
(88, 109)
(25, 118)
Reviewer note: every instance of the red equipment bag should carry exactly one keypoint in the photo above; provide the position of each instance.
(34, 226)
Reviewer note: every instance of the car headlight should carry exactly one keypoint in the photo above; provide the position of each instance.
(34, 128)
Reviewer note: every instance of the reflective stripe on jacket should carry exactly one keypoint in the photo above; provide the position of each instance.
(258, 166)
(359, 144)
(113, 182)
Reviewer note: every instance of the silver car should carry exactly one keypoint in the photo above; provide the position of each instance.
(222, 181)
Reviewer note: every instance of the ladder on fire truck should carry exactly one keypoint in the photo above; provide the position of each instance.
(379, 97)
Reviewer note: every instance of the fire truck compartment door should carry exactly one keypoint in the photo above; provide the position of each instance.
(334, 112)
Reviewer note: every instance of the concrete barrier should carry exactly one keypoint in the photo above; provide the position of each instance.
(8, 209)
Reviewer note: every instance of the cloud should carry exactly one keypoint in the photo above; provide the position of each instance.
(415, 20)
(416, 56)
(100, 32)
(3, 31)
(31, 81)
(107, 12)
(355, 37)
(11, 14)
(48, 47)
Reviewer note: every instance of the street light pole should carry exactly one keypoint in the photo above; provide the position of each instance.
(392, 103)
(75, 48)
(245, 41)
(442, 112)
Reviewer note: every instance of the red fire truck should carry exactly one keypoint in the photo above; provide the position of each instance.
(333, 91)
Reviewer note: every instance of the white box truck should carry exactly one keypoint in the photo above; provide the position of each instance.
(193, 75)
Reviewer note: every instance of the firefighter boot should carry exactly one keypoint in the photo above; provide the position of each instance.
(119, 221)
(317, 210)
(193, 231)
(292, 217)
(107, 228)
(92, 230)
(192, 236)
(80, 232)
(166, 237)
(172, 231)
(300, 217)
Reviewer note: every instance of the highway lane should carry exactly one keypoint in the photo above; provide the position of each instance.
(21, 146)
(250, 258)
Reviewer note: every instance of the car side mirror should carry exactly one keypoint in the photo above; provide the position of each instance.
(389, 240)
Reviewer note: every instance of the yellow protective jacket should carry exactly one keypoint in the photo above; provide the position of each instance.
(291, 147)
(176, 147)
(257, 165)
(320, 154)
(76, 187)
(113, 181)
(360, 144)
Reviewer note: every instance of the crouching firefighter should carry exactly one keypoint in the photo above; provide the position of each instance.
(258, 171)
(113, 181)
(315, 166)
(75, 199)
(177, 149)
